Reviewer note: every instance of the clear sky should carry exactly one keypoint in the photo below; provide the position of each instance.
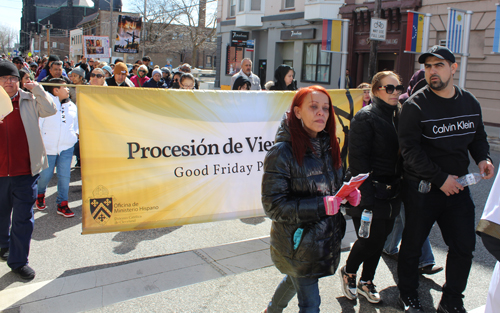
(12, 10)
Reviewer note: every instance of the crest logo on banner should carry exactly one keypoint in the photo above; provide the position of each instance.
(101, 208)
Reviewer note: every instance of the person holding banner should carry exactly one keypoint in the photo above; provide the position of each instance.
(302, 173)
(374, 149)
(439, 126)
(22, 158)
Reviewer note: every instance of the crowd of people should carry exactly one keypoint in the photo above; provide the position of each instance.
(413, 171)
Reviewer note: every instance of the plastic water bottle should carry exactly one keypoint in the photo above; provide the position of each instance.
(366, 222)
(469, 179)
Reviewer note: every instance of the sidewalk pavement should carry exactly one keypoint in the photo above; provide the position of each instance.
(104, 287)
(493, 137)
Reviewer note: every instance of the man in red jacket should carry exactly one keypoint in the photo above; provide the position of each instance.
(22, 158)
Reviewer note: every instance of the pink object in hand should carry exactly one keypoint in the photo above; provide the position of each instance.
(354, 197)
(332, 204)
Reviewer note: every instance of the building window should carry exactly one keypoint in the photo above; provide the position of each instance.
(232, 8)
(289, 4)
(241, 6)
(54, 44)
(255, 5)
(234, 57)
(61, 45)
(316, 64)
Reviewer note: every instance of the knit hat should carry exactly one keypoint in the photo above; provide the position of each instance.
(157, 71)
(120, 68)
(108, 69)
(33, 64)
(79, 71)
(8, 68)
(165, 70)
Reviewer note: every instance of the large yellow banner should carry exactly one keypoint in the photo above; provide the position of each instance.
(158, 158)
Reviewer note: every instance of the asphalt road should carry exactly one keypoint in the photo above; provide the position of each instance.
(59, 250)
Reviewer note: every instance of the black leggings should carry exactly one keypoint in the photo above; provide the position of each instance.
(368, 250)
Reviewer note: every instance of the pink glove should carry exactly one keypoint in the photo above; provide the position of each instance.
(354, 197)
(332, 204)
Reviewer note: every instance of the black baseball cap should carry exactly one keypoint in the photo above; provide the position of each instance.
(439, 52)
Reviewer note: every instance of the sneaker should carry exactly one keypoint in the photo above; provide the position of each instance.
(447, 308)
(4, 253)
(25, 272)
(369, 292)
(77, 164)
(411, 304)
(430, 269)
(64, 210)
(348, 284)
(40, 202)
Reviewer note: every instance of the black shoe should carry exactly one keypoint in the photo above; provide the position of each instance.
(4, 253)
(411, 304)
(447, 308)
(25, 272)
(430, 269)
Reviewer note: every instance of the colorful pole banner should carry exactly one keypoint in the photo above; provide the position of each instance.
(415, 32)
(455, 32)
(332, 36)
(128, 34)
(496, 37)
(157, 158)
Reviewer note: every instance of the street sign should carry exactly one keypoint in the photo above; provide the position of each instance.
(378, 29)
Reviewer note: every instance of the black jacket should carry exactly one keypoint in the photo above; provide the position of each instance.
(292, 197)
(374, 149)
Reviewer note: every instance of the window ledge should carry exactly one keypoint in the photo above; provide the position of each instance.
(287, 10)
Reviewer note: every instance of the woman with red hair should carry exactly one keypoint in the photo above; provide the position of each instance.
(302, 172)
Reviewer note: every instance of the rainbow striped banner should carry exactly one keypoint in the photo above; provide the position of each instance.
(415, 32)
(496, 37)
(455, 33)
(332, 36)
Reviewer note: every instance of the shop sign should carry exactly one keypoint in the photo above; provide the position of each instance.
(295, 34)
(239, 39)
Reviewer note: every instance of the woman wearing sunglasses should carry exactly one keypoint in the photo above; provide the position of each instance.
(374, 149)
(97, 77)
(141, 78)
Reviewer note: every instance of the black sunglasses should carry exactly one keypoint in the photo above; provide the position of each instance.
(96, 75)
(390, 88)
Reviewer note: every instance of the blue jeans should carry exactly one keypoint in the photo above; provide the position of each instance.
(307, 293)
(392, 242)
(17, 197)
(63, 164)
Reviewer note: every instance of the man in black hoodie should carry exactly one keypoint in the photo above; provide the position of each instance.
(439, 125)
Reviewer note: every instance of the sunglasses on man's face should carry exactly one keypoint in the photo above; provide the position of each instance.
(96, 75)
(390, 88)
(17, 62)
